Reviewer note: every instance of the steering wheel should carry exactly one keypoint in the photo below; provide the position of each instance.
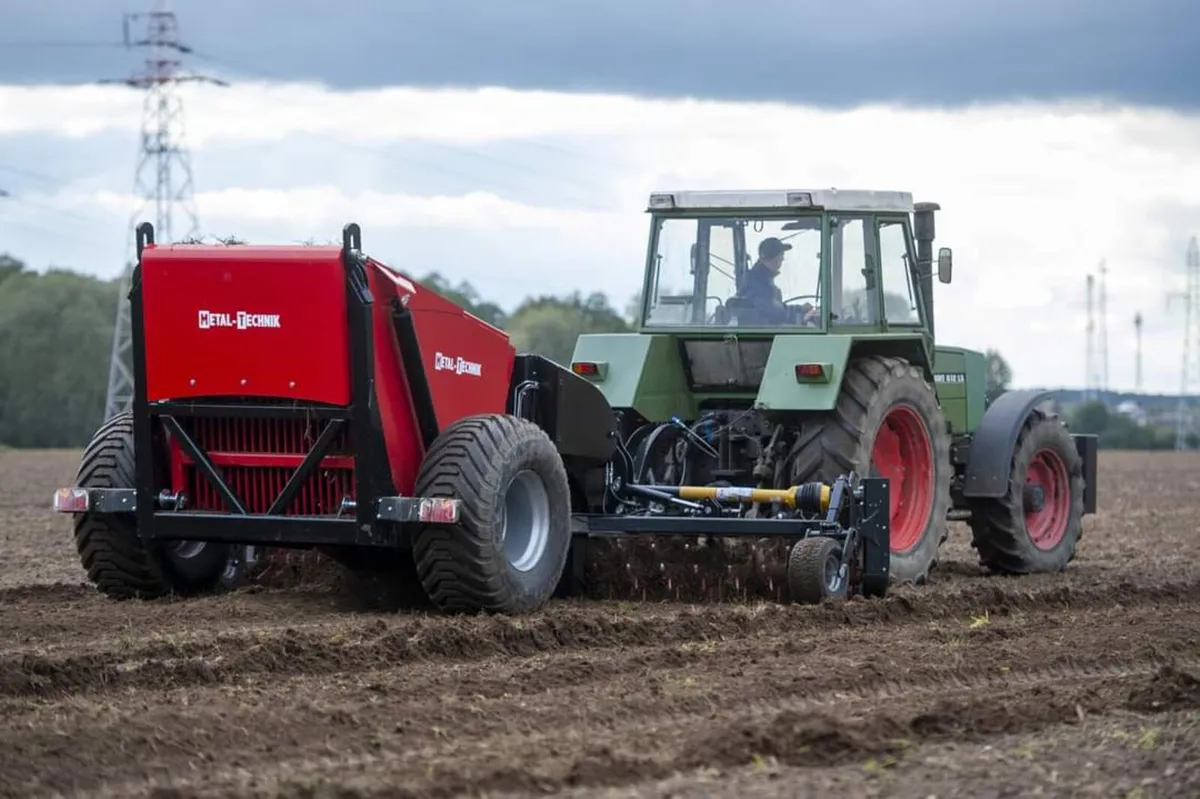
(788, 304)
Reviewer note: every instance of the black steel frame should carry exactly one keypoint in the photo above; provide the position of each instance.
(865, 518)
(374, 490)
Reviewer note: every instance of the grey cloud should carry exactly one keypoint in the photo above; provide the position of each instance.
(503, 267)
(948, 52)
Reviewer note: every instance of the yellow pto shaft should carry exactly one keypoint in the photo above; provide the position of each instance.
(795, 498)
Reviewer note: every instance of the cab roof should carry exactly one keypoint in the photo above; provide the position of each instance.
(784, 199)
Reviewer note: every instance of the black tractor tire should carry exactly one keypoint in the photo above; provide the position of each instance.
(505, 470)
(812, 571)
(116, 559)
(876, 389)
(1045, 454)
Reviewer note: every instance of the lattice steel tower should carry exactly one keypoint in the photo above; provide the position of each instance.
(1137, 356)
(1090, 379)
(1103, 325)
(1190, 368)
(164, 173)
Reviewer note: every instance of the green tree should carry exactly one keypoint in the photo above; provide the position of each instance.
(10, 267)
(55, 341)
(549, 326)
(465, 295)
(633, 309)
(1089, 418)
(999, 374)
(1116, 430)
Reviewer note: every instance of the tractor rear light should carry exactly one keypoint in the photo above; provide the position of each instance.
(438, 510)
(71, 500)
(812, 372)
(591, 369)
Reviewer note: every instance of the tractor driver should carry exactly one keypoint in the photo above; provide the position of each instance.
(760, 289)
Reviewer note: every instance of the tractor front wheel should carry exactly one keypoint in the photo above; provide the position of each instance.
(887, 423)
(115, 557)
(509, 548)
(1036, 525)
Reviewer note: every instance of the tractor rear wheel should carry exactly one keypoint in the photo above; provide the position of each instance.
(1036, 525)
(887, 423)
(509, 548)
(116, 559)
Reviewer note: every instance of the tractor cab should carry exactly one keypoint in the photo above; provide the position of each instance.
(794, 261)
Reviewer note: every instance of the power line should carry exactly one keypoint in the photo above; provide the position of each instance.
(164, 173)
(445, 146)
(32, 44)
(465, 176)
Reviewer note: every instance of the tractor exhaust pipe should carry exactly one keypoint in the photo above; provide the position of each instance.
(923, 233)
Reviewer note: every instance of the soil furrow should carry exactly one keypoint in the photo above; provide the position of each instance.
(295, 650)
(1078, 683)
(804, 732)
(676, 686)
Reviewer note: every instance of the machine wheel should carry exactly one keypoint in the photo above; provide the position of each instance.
(1035, 526)
(509, 548)
(812, 570)
(887, 423)
(116, 559)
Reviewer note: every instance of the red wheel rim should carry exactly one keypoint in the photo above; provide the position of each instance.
(1047, 526)
(903, 454)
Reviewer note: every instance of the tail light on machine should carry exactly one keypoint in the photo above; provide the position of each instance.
(813, 372)
(593, 370)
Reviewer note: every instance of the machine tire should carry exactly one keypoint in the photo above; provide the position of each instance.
(1001, 529)
(873, 389)
(465, 567)
(116, 560)
(808, 570)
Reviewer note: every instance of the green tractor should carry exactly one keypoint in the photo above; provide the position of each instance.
(787, 337)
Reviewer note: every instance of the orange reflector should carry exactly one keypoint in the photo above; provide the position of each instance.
(809, 370)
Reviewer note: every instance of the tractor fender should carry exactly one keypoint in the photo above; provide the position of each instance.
(989, 460)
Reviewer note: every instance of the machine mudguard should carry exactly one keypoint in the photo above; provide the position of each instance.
(574, 413)
(639, 371)
(781, 390)
(990, 459)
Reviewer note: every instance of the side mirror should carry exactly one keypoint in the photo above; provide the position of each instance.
(945, 264)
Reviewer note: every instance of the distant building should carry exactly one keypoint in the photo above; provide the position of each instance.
(1134, 411)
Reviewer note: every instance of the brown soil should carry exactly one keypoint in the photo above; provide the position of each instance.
(1085, 683)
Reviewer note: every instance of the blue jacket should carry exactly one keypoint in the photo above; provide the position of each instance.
(767, 298)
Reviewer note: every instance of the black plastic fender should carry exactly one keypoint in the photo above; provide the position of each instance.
(571, 409)
(989, 462)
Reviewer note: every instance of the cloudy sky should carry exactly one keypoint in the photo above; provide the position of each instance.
(514, 144)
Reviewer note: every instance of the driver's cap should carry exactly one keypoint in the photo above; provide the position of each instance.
(771, 246)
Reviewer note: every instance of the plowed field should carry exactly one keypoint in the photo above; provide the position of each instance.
(1082, 684)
